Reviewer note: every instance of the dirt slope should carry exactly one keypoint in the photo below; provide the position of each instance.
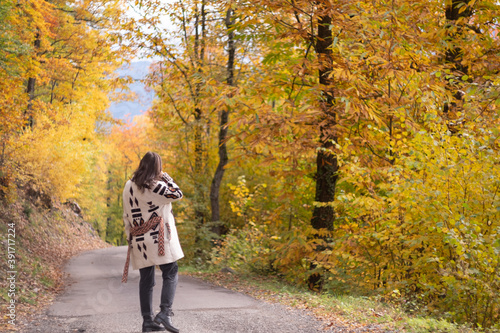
(37, 236)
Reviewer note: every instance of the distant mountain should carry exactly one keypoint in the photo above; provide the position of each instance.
(128, 109)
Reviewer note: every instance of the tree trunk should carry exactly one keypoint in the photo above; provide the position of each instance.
(199, 150)
(30, 87)
(223, 157)
(199, 145)
(453, 111)
(326, 161)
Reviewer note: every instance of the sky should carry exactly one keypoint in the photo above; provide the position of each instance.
(138, 69)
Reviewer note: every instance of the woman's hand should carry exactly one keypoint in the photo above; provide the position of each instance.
(166, 178)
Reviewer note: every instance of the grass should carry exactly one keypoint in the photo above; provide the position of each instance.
(334, 310)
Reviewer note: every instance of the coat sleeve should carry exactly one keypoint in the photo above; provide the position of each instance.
(166, 190)
(126, 222)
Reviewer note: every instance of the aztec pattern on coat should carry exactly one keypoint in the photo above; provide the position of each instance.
(138, 208)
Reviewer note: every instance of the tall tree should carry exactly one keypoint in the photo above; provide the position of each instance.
(223, 126)
(198, 60)
(199, 49)
(224, 123)
(326, 161)
(312, 22)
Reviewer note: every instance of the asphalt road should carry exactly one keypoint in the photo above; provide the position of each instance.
(96, 301)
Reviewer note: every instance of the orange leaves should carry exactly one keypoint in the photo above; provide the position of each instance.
(130, 142)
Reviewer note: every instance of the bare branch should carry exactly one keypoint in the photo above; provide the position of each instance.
(174, 103)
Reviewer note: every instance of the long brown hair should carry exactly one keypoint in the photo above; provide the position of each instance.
(148, 172)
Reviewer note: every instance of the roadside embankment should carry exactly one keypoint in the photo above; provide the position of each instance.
(36, 238)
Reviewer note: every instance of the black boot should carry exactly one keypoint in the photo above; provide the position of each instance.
(148, 325)
(164, 317)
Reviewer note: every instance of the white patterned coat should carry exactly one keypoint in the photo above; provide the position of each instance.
(139, 207)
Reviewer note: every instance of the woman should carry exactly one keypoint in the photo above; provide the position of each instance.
(152, 237)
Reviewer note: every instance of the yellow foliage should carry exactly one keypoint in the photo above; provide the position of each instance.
(55, 153)
(431, 225)
(243, 203)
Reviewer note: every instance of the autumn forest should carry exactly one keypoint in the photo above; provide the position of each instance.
(349, 146)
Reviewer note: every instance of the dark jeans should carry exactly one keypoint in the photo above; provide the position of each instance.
(147, 282)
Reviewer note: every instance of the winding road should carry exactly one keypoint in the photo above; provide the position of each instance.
(95, 301)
